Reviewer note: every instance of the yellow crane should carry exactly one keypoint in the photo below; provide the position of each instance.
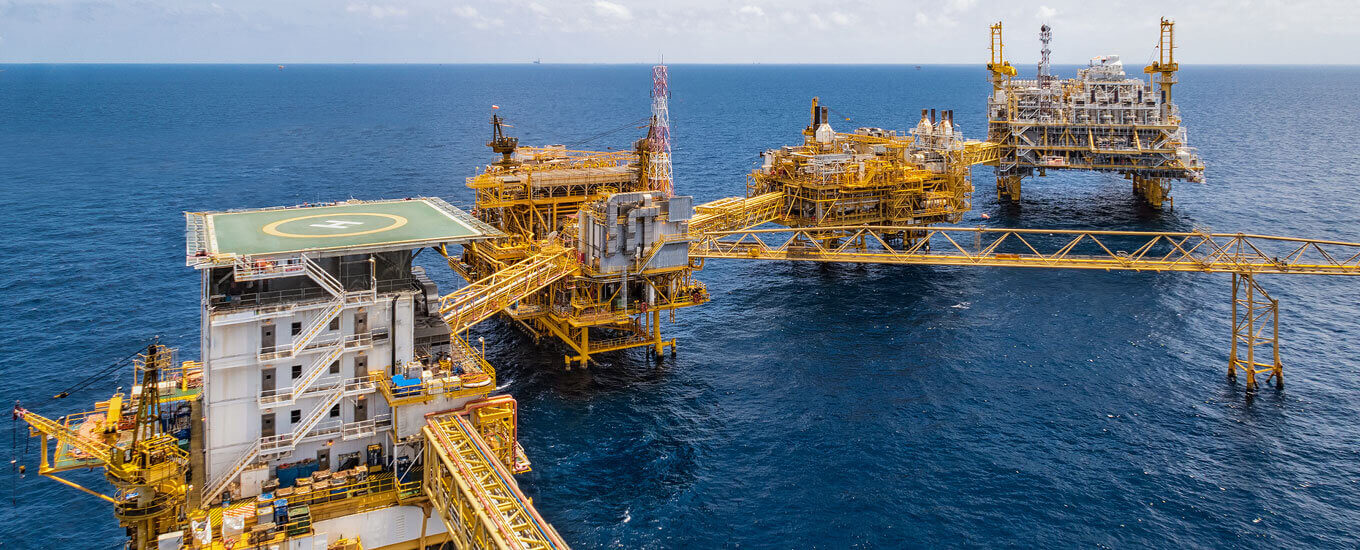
(146, 466)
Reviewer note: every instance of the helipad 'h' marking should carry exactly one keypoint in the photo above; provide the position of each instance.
(336, 224)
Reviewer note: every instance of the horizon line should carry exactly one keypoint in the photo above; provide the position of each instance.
(622, 63)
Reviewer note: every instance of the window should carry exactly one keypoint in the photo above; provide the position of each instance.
(297, 371)
(335, 323)
(335, 411)
(297, 329)
(295, 416)
(335, 368)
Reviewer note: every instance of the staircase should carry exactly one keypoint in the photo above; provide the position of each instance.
(284, 443)
(314, 328)
(245, 269)
(273, 445)
(220, 482)
(309, 377)
(477, 301)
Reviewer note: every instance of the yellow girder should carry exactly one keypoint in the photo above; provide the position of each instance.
(1199, 252)
(480, 300)
(734, 213)
(474, 494)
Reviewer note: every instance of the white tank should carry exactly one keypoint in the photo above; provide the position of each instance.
(825, 134)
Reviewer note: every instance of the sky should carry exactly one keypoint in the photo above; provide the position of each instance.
(643, 31)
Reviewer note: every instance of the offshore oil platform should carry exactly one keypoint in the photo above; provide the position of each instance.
(1100, 121)
(337, 402)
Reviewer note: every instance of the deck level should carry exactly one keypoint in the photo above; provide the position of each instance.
(352, 226)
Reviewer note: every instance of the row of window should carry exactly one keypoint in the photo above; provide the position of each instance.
(333, 369)
(297, 326)
(267, 375)
(267, 428)
(267, 340)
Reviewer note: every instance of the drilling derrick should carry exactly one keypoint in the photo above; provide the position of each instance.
(1100, 121)
(596, 250)
(658, 142)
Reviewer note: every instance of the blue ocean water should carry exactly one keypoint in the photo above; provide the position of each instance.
(809, 406)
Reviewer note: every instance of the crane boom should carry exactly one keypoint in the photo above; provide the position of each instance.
(41, 425)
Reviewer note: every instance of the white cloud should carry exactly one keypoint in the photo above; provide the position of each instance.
(377, 11)
(610, 9)
(1215, 31)
(479, 21)
(940, 21)
(961, 5)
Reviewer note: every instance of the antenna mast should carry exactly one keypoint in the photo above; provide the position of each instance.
(1045, 35)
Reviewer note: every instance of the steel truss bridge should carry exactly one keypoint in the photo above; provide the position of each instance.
(1255, 314)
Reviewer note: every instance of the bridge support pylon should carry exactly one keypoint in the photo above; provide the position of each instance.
(1256, 328)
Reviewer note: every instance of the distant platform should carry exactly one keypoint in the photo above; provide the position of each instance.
(350, 227)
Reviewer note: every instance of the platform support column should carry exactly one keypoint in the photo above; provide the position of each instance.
(656, 334)
(1252, 310)
(1155, 191)
(1232, 353)
(424, 520)
(585, 346)
(1008, 187)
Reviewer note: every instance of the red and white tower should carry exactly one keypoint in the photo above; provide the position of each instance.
(659, 175)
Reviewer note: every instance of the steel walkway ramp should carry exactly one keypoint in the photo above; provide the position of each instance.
(474, 494)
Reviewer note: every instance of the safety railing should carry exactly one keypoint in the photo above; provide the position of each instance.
(348, 342)
(245, 268)
(352, 386)
(1199, 251)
